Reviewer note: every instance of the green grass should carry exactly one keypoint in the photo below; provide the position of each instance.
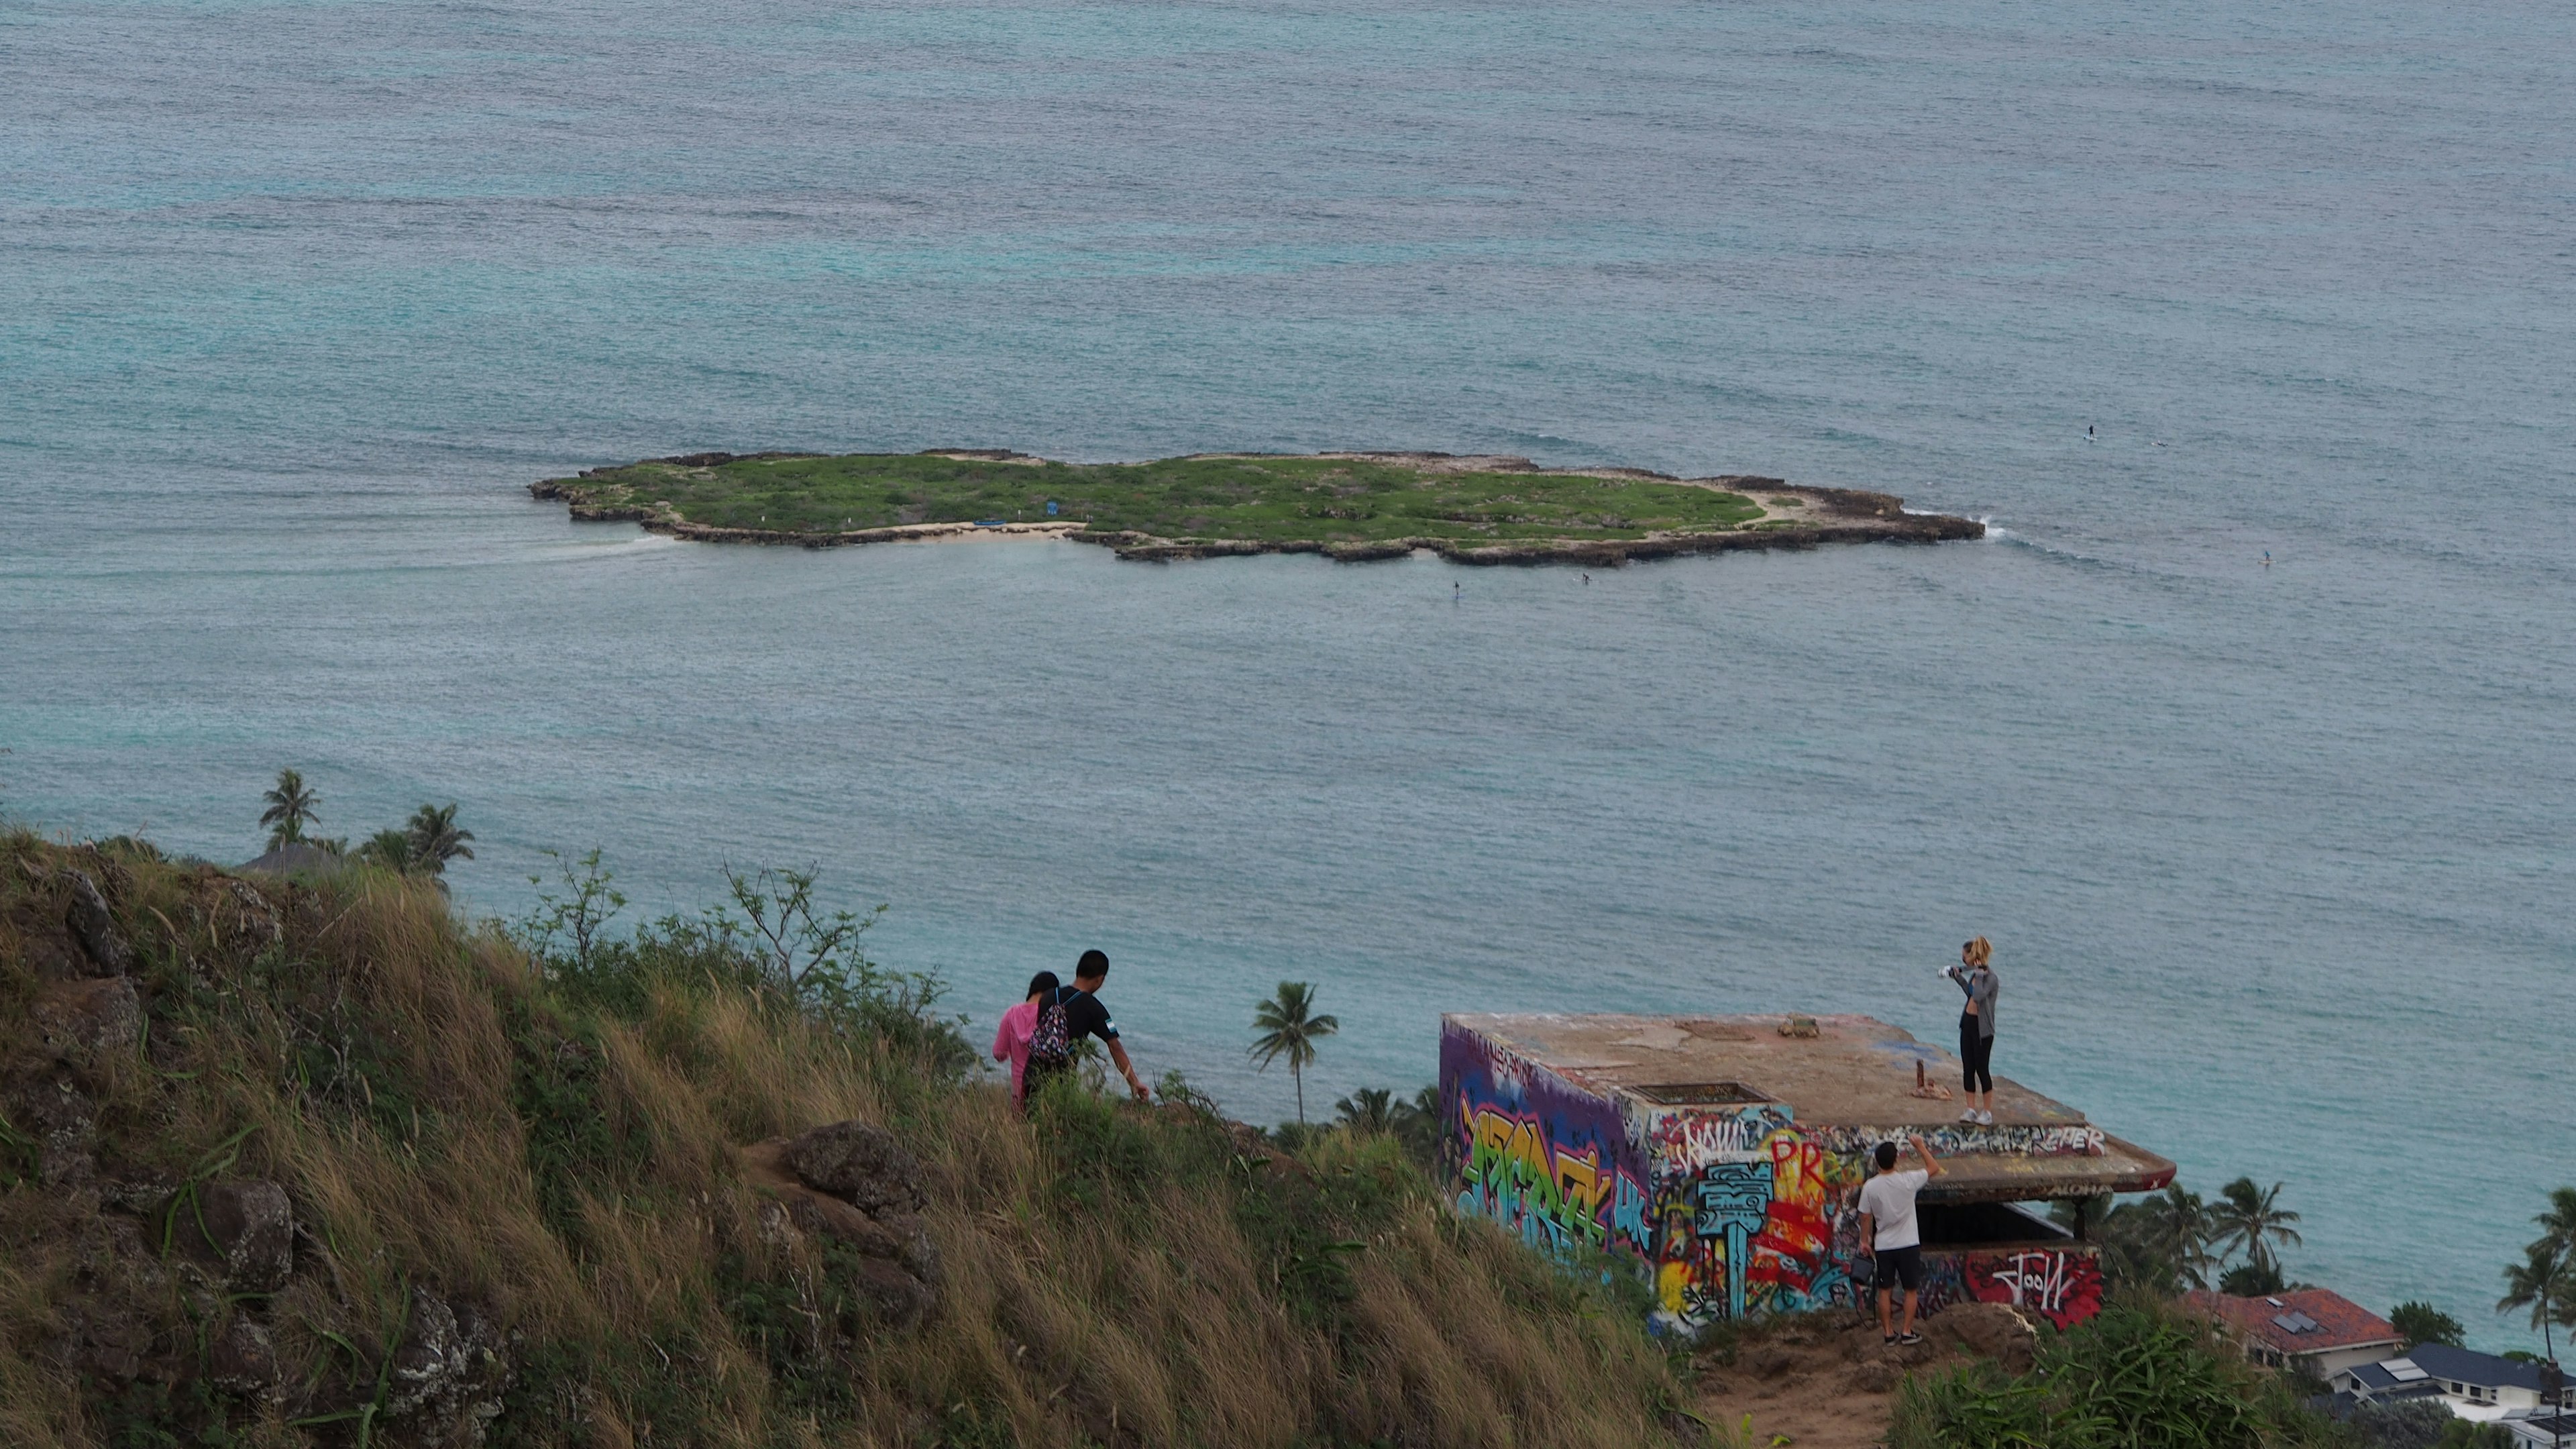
(556, 1142)
(1265, 500)
(2141, 1375)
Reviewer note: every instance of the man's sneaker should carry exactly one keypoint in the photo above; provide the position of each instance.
(1908, 1340)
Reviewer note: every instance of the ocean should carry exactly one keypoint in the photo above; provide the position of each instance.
(2248, 735)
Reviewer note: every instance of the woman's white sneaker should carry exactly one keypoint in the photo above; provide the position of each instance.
(1985, 1119)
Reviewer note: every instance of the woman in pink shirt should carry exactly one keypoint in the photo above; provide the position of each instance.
(1011, 1041)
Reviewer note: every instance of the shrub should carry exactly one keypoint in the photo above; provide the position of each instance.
(2140, 1375)
(2424, 1323)
(2413, 1424)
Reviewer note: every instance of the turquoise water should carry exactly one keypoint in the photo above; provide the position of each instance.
(299, 297)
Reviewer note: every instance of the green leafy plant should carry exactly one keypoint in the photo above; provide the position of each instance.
(2423, 1323)
(2139, 1374)
(575, 920)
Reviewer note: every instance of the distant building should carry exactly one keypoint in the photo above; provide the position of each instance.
(2540, 1428)
(2315, 1330)
(2475, 1385)
(1721, 1155)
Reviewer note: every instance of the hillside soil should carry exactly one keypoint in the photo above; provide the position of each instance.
(1827, 1381)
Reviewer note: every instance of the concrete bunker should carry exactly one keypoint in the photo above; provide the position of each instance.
(1721, 1155)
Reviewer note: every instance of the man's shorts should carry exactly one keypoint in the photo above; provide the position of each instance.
(1900, 1265)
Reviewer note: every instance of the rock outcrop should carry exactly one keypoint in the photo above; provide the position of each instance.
(95, 928)
(854, 1184)
(243, 1232)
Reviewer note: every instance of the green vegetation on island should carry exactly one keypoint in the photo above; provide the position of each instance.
(1348, 505)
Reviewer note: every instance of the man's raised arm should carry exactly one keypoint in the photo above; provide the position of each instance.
(1931, 1164)
(1127, 1069)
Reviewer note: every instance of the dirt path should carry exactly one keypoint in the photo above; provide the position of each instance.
(1824, 1381)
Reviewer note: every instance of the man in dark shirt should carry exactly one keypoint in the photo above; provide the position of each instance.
(1085, 1015)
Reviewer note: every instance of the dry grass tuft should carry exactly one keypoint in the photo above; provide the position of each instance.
(557, 1153)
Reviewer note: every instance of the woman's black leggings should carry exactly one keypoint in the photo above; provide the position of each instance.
(1976, 1055)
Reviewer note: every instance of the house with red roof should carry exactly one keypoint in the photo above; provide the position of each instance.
(2315, 1329)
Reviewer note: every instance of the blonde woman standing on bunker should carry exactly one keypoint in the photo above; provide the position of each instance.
(1975, 975)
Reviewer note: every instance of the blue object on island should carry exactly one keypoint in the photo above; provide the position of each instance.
(1050, 508)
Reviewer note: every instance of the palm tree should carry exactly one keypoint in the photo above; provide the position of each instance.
(291, 807)
(390, 849)
(2558, 1225)
(1289, 1028)
(2175, 1232)
(2252, 1219)
(436, 839)
(1370, 1111)
(2540, 1283)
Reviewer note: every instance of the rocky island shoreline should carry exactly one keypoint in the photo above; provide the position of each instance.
(1350, 506)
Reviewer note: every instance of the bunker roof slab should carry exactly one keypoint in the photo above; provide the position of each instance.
(1854, 1071)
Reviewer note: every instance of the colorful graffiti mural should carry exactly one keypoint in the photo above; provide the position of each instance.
(2077, 1140)
(2063, 1287)
(1540, 1156)
(1730, 1211)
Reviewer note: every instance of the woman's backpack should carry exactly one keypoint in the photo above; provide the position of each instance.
(1051, 1044)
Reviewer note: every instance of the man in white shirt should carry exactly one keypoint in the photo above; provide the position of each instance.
(1895, 1242)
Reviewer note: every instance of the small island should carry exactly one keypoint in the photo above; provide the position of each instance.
(1349, 506)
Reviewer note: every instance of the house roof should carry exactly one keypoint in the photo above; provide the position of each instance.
(2301, 1321)
(2468, 1366)
(2394, 1378)
(1850, 1072)
(295, 855)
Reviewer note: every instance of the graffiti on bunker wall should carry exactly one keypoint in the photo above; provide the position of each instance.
(1538, 1155)
(1785, 1240)
(1734, 1203)
(2063, 1287)
(1732, 1211)
(2080, 1139)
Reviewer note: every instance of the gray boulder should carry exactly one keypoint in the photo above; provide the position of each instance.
(448, 1374)
(861, 1164)
(246, 1229)
(853, 1183)
(87, 1018)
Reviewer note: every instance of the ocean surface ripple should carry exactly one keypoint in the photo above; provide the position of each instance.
(300, 296)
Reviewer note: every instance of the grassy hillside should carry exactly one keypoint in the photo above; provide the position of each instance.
(1256, 499)
(315, 1163)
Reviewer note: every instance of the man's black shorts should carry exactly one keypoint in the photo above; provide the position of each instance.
(1900, 1265)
